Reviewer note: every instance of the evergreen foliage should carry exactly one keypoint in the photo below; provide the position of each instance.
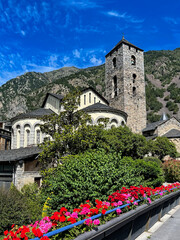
(95, 174)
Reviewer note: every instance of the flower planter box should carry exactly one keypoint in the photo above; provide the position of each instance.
(130, 225)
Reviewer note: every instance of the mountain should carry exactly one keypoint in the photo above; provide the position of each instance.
(162, 75)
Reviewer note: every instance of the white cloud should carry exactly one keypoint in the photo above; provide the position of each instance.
(76, 53)
(95, 61)
(171, 20)
(124, 16)
(81, 4)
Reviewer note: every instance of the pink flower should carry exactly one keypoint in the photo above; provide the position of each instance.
(120, 203)
(106, 203)
(135, 203)
(149, 200)
(161, 193)
(68, 214)
(74, 215)
(128, 201)
(88, 221)
(96, 222)
(115, 204)
(118, 211)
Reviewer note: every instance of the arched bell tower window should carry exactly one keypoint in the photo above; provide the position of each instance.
(133, 60)
(134, 91)
(114, 86)
(134, 78)
(114, 62)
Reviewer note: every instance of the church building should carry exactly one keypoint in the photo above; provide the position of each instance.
(124, 103)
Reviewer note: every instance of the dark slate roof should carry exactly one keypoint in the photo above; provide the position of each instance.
(58, 96)
(151, 137)
(153, 126)
(18, 154)
(94, 90)
(40, 112)
(98, 107)
(120, 43)
(173, 133)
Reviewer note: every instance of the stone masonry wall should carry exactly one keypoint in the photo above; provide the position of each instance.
(127, 100)
(167, 126)
(21, 177)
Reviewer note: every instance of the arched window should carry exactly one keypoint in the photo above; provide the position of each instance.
(114, 123)
(134, 78)
(38, 136)
(18, 130)
(122, 123)
(89, 97)
(27, 135)
(133, 60)
(134, 91)
(114, 86)
(114, 62)
(84, 99)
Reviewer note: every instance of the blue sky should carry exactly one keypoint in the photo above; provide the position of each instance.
(44, 35)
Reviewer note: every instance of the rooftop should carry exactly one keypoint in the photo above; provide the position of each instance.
(102, 107)
(40, 112)
(123, 41)
(18, 154)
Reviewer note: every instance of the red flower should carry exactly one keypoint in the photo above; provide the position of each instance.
(103, 211)
(72, 220)
(62, 219)
(12, 225)
(45, 238)
(6, 232)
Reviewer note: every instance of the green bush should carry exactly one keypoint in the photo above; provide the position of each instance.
(33, 200)
(153, 159)
(95, 174)
(19, 208)
(13, 209)
(122, 140)
(172, 171)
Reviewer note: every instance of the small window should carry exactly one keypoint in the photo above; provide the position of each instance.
(94, 99)
(122, 123)
(89, 97)
(115, 86)
(114, 62)
(38, 181)
(134, 91)
(38, 136)
(129, 47)
(84, 99)
(133, 60)
(134, 77)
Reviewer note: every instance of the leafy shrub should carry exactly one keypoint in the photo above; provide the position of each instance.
(13, 209)
(151, 117)
(162, 147)
(122, 140)
(33, 200)
(172, 106)
(19, 208)
(172, 170)
(153, 159)
(95, 174)
(151, 171)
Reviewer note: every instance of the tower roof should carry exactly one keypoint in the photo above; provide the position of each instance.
(123, 41)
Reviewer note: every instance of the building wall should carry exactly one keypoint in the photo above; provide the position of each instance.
(89, 98)
(176, 141)
(53, 104)
(19, 136)
(130, 85)
(114, 119)
(22, 177)
(167, 126)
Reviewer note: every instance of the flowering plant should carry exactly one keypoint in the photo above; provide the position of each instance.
(130, 197)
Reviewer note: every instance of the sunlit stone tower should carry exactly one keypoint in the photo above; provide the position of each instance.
(125, 85)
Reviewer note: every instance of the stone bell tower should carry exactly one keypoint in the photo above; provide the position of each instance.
(124, 82)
